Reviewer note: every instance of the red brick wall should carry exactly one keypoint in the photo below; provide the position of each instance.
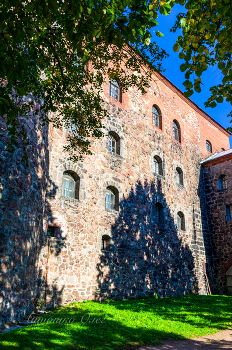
(196, 125)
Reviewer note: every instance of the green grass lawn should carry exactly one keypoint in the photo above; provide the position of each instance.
(121, 324)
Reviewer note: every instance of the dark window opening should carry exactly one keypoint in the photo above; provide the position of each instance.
(106, 242)
(113, 142)
(180, 221)
(176, 130)
(179, 176)
(112, 198)
(228, 212)
(159, 213)
(156, 117)
(52, 231)
(157, 165)
(208, 146)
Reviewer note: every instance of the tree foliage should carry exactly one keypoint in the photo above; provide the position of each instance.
(206, 40)
(58, 52)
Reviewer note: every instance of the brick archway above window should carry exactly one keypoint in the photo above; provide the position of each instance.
(76, 172)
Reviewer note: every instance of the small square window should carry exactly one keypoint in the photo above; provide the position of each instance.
(52, 231)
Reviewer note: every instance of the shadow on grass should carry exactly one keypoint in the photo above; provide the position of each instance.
(193, 310)
(125, 324)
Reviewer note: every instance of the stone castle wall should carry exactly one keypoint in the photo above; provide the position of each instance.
(145, 258)
(23, 195)
(220, 228)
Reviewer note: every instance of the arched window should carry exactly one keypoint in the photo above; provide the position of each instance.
(113, 142)
(114, 90)
(106, 242)
(222, 149)
(179, 176)
(156, 117)
(112, 198)
(176, 130)
(222, 182)
(159, 213)
(228, 212)
(157, 165)
(180, 221)
(70, 185)
(208, 146)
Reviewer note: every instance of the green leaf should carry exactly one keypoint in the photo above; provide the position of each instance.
(164, 11)
(213, 104)
(176, 47)
(221, 65)
(188, 93)
(197, 88)
(183, 67)
(158, 33)
(188, 84)
(219, 99)
(183, 22)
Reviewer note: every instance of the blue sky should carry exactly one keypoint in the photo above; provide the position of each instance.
(172, 65)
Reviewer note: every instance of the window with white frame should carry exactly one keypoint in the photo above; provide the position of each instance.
(114, 90)
(70, 184)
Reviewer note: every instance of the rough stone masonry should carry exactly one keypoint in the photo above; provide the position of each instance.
(156, 236)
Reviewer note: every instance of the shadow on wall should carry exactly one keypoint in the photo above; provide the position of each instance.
(24, 212)
(210, 268)
(145, 257)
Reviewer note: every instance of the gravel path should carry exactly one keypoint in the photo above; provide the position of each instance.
(218, 341)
